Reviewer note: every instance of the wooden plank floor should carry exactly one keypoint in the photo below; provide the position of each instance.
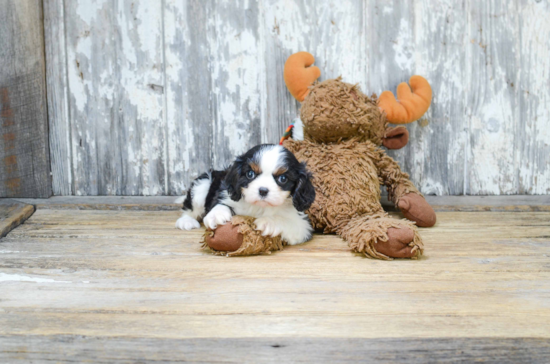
(12, 214)
(127, 286)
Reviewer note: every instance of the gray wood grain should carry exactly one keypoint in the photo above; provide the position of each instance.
(157, 93)
(518, 203)
(58, 98)
(71, 348)
(108, 286)
(235, 52)
(533, 132)
(12, 214)
(492, 162)
(188, 92)
(435, 155)
(116, 82)
(24, 154)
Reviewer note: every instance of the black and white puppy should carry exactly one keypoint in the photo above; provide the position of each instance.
(267, 183)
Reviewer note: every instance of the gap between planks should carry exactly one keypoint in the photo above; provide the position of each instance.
(516, 203)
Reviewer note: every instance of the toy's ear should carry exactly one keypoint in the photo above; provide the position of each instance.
(299, 75)
(410, 105)
(304, 192)
(396, 138)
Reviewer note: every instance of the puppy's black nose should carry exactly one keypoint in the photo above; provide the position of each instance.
(263, 191)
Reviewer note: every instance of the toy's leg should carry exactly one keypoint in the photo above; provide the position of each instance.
(239, 238)
(381, 237)
(415, 208)
(403, 193)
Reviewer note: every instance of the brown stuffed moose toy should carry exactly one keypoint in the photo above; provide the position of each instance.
(343, 130)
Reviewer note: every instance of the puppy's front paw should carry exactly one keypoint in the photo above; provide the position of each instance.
(187, 223)
(267, 226)
(219, 215)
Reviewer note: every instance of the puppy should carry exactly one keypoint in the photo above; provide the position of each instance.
(267, 183)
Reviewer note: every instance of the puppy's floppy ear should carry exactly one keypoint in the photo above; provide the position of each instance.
(232, 180)
(304, 193)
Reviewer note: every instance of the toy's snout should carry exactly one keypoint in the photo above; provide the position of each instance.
(396, 138)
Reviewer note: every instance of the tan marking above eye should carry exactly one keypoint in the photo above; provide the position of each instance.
(280, 171)
(255, 168)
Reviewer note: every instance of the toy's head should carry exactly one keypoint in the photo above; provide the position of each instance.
(333, 110)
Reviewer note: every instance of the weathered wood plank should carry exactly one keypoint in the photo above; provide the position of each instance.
(132, 273)
(113, 286)
(12, 214)
(116, 83)
(94, 113)
(236, 66)
(72, 348)
(491, 99)
(436, 154)
(214, 72)
(58, 98)
(520, 203)
(188, 92)
(534, 97)
(24, 150)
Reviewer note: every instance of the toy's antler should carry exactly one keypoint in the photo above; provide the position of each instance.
(410, 106)
(299, 75)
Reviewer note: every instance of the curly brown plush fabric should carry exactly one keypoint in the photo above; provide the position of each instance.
(364, 233)
(347, 178)
(358, 115)
(253, 243)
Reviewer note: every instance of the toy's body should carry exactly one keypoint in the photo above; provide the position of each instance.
(343, 130)
(347, 177)
(346, 180)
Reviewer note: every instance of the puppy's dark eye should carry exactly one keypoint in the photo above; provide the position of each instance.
(250, 174)
(282, 178)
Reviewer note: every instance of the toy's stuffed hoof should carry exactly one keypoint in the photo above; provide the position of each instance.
(239, 238)
(398, 243)
(415, 208)
(226, 238)
(381, 237)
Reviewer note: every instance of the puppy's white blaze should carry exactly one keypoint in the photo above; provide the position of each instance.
(271, 159)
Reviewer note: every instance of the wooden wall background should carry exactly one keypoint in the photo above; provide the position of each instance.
(145, 95)
(24, 152)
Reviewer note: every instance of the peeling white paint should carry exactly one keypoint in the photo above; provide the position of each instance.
(403, 46)
(235, 77)
(430, 187)
(534, 86)
(492, 157)
(134, 93)
(4, 277)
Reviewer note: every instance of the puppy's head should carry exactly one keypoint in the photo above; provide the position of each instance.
(268, 175)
